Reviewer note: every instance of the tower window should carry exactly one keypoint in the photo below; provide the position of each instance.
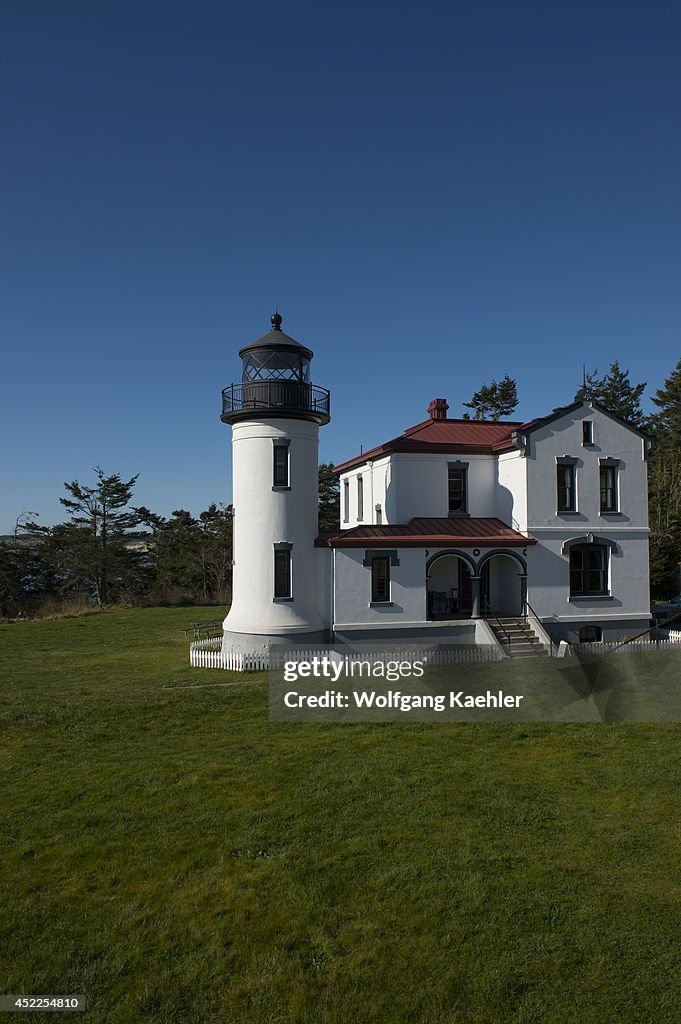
(282, 573)
(360, 497)
(456, 488)
(380, 579)
(608, 489)
(566, 498)
(346, 501)
(587, 432)
(281, 465)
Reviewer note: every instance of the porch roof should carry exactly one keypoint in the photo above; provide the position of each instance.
(424, 532)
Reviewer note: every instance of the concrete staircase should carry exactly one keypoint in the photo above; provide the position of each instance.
(524, 642)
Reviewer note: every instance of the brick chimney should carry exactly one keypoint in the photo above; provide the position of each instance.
(437, 410)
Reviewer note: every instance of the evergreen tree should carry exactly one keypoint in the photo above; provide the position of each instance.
(664, 505)
(216, 525)
(189, 558)
(666, 423)
(89, 552)
(329, 497)
(615, 392)
(664, 485)
(494, 401)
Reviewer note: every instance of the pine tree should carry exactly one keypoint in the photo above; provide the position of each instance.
(494, 401)
(329, 497)
(666, 423)
(101, 517)
(615, 392)
(665, 488)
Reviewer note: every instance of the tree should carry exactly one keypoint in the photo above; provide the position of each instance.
(216, 525)
(494, 401)
(664, 477)
(666, 423)
(329, 497)
(664, 505)
(189, 558)
(89, 551)
(615, 392)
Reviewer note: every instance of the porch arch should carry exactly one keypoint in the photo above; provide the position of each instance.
(451, 585)
(472, 565)
(509, 553)
(503, 583)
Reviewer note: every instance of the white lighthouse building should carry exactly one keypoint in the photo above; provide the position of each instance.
(455, 532)
(275, 414)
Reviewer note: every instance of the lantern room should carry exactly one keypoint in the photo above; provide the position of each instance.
(275, 381)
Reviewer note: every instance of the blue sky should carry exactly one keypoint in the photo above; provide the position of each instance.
(435, 194)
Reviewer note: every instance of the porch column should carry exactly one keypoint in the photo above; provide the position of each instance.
(523, 592)
(475, 595)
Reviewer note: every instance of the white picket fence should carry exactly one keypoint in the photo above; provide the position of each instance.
(208, 654)
(634, 647)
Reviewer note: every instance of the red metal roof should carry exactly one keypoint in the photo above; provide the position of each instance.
(434, 435)
(429, 532)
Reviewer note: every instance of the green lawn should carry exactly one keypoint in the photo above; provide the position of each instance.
(172, 855)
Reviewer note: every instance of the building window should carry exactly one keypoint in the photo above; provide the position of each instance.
(587, 432)
(566, 487)
(590, 635)
(588, 570)
(456, 488)
(346, 501)
(380, 579)
(282, 573)
(608, 489)
(281, 474)
(360, 497)
(379, 516)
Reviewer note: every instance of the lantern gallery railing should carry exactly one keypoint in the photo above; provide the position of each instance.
(277, 397)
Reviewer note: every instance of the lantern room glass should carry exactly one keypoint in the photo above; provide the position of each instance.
(275, 364)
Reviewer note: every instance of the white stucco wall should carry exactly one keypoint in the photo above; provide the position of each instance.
(548, 582)
(376, 477)
(549, 587)
(511, 490)
(409, 485)
(264, 516)
(323, 558)
(353, 589)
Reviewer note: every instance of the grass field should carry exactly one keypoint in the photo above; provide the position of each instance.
(172, 855)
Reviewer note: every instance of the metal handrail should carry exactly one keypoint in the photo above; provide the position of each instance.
(276, 394)
(493, 615)
(525, 608)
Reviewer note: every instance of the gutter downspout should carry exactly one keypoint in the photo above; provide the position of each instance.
(371, 486)
(332, 628)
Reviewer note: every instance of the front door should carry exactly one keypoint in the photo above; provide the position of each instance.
(465, 588)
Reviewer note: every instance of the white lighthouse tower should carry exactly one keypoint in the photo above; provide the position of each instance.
(275, 414)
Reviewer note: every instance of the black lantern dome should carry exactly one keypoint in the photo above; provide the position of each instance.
(275, 381)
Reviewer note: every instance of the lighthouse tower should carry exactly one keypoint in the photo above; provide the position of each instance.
(275, 414)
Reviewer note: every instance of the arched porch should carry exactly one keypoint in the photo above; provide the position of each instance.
(503, 584)
(451, 587)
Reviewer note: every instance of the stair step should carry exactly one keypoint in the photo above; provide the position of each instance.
(517, 634)
(517, 637)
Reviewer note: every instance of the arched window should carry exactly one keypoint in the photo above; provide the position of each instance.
(590, 635)
(589, 570)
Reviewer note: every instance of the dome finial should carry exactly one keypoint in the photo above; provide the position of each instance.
(276, 321)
